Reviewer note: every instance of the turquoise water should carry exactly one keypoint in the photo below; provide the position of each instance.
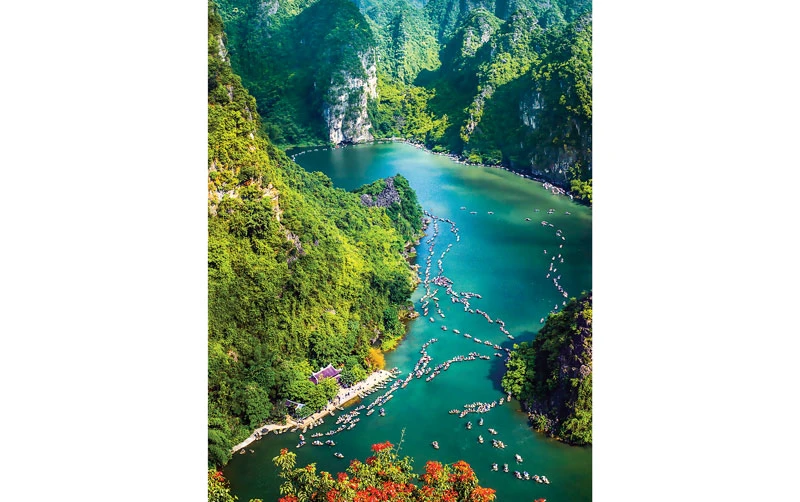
(501, 257)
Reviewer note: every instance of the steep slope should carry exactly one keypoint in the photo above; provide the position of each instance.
(448, 15)
(552, 375)
(311, 64)
(406, 38)
(538, 107)
(300, 274)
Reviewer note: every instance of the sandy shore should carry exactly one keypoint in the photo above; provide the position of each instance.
(343, 397)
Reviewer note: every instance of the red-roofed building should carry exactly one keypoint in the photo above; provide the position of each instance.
(326, 372)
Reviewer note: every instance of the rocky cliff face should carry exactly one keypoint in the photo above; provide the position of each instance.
(345, 104)
(551, 157)
(529, 108)
(385, 198)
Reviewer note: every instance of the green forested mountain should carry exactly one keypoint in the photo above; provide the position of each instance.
(495, 81)
(300, 274)
(552, 375)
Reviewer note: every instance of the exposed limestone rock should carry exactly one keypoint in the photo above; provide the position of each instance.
(385, 198)
(345, 106)
(529, 109)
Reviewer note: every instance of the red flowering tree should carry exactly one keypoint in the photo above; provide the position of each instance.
(381, 477)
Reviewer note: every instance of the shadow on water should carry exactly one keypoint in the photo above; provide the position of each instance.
(497, 368)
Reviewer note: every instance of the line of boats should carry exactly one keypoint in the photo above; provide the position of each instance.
(442, 281)
(523, 475)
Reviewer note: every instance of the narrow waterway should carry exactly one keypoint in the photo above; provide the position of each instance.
(499, 256)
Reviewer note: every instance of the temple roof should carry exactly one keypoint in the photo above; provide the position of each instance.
(326, 372)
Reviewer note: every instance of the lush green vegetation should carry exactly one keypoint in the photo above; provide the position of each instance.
(406, 216)
(495, 82)
(300, 274)
(552, 375)
(382, 476)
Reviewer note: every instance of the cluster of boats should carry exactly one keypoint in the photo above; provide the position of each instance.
(441, 280)
(477, 407)
(524, 475)
(320, 443)
(472, 356)
(349, 420)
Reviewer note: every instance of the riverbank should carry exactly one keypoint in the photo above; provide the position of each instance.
(343, 397)
(554, 188)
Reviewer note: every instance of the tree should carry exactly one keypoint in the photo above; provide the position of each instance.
(382, 476)
(328, 387)
(375, 359)
(218, 490)
(257, 403)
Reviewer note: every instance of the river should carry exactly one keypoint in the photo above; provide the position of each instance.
(501, 257)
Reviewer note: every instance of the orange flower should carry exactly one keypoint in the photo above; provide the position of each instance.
(450, 496)
(381, 446)
(480, 494)
(433, 468)
(284, 451)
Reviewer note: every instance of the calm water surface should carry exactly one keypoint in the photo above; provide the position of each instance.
(500, 256)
